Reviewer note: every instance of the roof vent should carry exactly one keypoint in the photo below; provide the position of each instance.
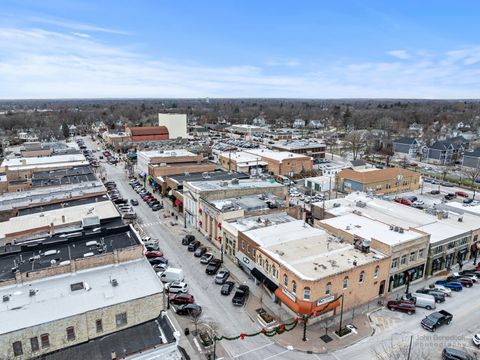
(400, 230)
(354, 262)
(395, 229)
(235, 181)
(460, 219)
(32, 292)
(6, 298)
(114, 282)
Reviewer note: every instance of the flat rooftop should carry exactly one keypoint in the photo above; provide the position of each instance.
(32, 197)
(60, 217)
(243, 157)
(62, 205)
(166, 153)
(70, 245)
(208, 176)
(256, 222)
(242, 184)
(72, 175)
(440, 231)
(45, 160)
(136, 279)
(298, 145)
(247, 203)
(309, 252)
(275, 155)
(369, 229)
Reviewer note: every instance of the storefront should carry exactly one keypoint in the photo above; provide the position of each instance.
(400, 278)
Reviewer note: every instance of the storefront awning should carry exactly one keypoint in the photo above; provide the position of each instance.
(305, 307)
(264, 280)
(178, 202)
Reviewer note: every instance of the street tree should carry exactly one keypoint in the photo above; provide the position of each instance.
(356, 142)
(472, 174)
(65, 130)
(403, 349)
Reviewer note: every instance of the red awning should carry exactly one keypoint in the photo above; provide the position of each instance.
(305, 307)
(178, 202)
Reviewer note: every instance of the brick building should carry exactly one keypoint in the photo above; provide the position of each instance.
(146, 133)
(283, 162)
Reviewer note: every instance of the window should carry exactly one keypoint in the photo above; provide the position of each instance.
(294, 286)
(412, 256)
(243, 245)
(121, 319)
(248, 248)
(267, 266)
(99, 325)
(394, 263)
(306, 293)
(285, 280)
(475, 238)
(34, 344)
(260, 260)
(274, 271)
(328, 289)
(17, 348)
(361, 277)
(421, 253)
(345, 282)
(45, 340)
(403, 260)
(375, 273)
(70, 333)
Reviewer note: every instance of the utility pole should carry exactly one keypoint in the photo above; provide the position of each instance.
(341, 317)
(410, 347)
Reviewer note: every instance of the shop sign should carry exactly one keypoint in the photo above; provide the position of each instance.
(289, 294)
(325, 300)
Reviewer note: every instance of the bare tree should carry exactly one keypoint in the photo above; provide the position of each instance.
(472, 174)
(356, 142)
(195, 318)
(404, 349)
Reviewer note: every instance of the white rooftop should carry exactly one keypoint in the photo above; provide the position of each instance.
(45, 160)
(256, 222)
(440, 231)
(166, 153)
(243, 157)
(309, 252)
(55, 300)
(59, 217)
(298, 144)
(275, 155)
(369, 229)
(216, 185)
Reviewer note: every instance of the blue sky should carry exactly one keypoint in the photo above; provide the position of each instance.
(247, 48)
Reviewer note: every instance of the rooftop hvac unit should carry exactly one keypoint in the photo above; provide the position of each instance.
(114, 282)
(224, 183)
(361, 204)
(400, 230)
(6, 298)
(391, 227)
(395, 229)
(32, 292)
(460, 219)
(235, 181)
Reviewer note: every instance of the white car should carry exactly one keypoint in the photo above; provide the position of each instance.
(443, 289)
(476, 340)
(418, 202)
(177, 287)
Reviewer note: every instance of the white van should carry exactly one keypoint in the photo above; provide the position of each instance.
(171, 275)
(421, 300)
(50, 252)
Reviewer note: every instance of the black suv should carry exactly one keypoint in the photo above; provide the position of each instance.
(193, 245)
(188, 239)
(449, 196)
(241, 295)
(213, 266)
(455, 354)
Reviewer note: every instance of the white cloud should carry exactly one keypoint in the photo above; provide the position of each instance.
(73, 25)
(36, 63)
(284, 63)
(399, 54)
(81, 35)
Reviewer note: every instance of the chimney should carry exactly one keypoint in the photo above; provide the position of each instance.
(440, 215)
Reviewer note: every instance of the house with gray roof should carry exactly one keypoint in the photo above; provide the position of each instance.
(471, 159)
(444, 152)
(406, 146)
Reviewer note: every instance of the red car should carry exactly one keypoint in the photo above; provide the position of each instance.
(147, 197)
(154, 254)
(179, 299)
(401, 305)
(461, 194)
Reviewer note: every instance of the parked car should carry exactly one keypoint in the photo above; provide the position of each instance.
(435, 192)
(189, 309)
(222, 276)
(413, 198)
(178, 299)
(434, 320)
(455, 354)
(461, 194)
(158, 260)
(403, 306)
(470, 271)
(452, 285)
(449, 196)
(227, 288)
(177, 287)
(241, 295)
(437, 294)
(465, 281)
(187, 239)
(159, 268)
(213, 266)
(421, 300)
(200, 251)
(468, 201)
(476, 340)
(157, 207)
(193, 245)
(442, 288)
(134, 202)
(154, 254)
(205, 259)
(447, 184)
(468, 275)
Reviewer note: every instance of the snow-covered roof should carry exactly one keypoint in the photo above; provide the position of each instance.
(54, 298)
(45, 160)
